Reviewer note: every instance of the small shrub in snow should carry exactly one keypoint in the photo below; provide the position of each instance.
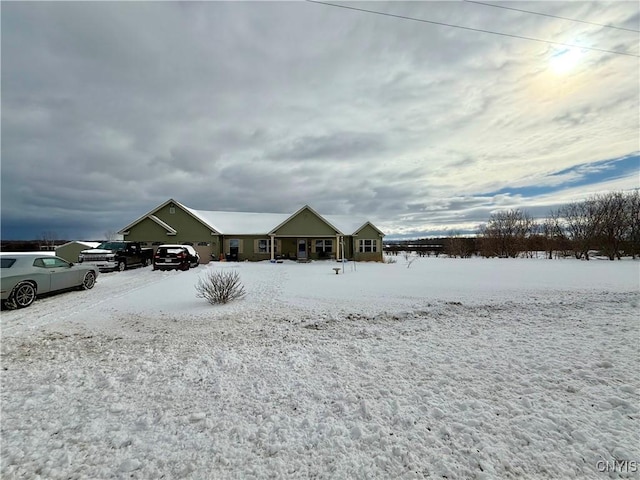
(220, 287)
(389, 259)
(409, 258)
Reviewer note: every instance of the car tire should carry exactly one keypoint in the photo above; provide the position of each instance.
(88, 281)
(121, 266)
(23, 295)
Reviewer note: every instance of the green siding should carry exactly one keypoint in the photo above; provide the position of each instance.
(306, 224)
(148, 230)
(188, 230)
(71, 251)
(367, 233)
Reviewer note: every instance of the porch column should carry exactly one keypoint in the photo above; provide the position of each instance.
(338, 257)
(273, 241)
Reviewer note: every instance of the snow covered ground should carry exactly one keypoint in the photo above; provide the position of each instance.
(458, 369)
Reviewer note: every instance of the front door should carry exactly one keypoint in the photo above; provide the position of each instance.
(302, 249)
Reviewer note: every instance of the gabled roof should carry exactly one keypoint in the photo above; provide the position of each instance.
(306, 207)
(252, 223)
(349, 225)
(163, 224)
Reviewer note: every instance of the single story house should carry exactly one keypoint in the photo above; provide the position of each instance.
(70, 250)
(303, 235)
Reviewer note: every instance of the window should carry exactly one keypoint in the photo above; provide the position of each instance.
(324, 246)
(7, 262)
(50, 262)
(264, 246)
(368, 246)
(204, 244)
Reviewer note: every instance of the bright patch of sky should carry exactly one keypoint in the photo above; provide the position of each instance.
(111, 108)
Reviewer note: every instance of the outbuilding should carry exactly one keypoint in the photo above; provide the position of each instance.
(70, 250)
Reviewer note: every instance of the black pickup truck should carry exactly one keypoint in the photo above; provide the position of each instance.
(117, 255)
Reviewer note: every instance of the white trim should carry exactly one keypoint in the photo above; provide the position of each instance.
(170, 230)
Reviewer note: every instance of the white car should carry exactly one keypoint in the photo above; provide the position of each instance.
(24, 276)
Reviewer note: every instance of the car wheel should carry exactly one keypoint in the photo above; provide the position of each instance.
(121, 266)
(23, 295)
(89, 280)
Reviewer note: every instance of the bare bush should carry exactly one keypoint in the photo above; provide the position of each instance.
(220, 287)
(409, 258)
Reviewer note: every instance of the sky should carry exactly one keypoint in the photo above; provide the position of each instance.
(111, 108)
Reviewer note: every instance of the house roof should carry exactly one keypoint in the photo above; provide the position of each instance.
(253, 223)
(81, 243)
(240, 223)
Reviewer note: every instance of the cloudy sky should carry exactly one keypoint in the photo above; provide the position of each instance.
(109, 109)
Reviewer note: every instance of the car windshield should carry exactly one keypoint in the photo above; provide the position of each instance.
(7, 262)
(111, 246)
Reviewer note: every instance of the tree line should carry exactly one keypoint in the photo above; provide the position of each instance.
(608, 223)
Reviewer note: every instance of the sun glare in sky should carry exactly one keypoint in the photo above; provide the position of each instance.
(565, 60)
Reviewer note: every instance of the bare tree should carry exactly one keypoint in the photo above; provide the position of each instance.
(453, 245)
(581, 222)
(614, 222)
(48, 240)
(110, 236)
(506, 233)
(633, 217)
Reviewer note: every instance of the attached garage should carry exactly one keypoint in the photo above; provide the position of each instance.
(304, 235)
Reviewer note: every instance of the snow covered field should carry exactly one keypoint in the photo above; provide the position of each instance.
(458, 369)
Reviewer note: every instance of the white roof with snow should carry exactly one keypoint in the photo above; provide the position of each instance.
(253, 223)
(250, 223)
(82, 243)
(240, 223)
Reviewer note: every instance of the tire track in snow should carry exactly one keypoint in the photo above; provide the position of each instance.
(31, 318)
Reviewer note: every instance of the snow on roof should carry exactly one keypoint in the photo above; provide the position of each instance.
(346, 223)
(252, 223)
(81, 242)
(240, 223)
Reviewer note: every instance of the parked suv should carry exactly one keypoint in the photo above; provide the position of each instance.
(170, 257)
(194, 255)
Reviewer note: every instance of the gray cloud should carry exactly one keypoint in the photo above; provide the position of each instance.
(115, 107)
